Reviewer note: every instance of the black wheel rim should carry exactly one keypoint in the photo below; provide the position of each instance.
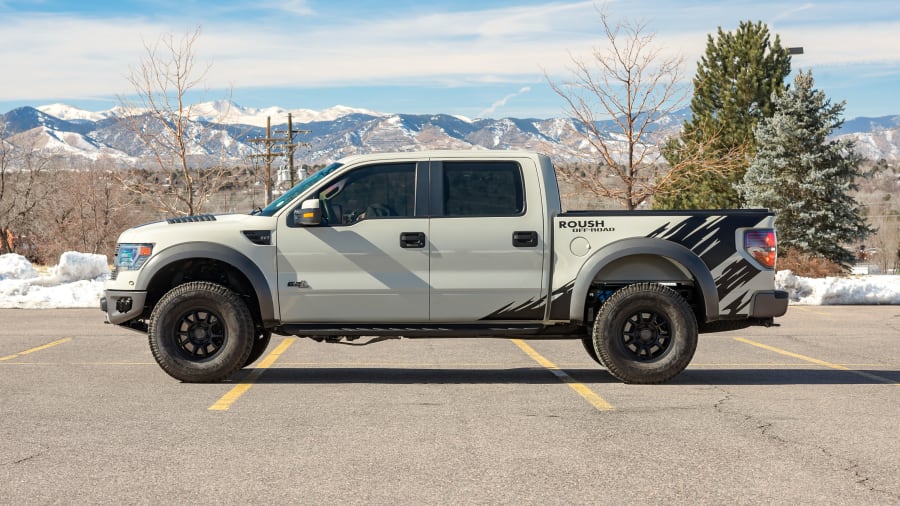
(200, 334)
(646, 335)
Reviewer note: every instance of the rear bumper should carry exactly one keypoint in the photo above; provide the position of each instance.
(769, 304)
(121, 306)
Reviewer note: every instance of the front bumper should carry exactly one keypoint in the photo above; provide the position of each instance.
(122, 306)
(769, 304)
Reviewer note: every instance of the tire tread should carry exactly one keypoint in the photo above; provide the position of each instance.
(218, 368)
(684, 334)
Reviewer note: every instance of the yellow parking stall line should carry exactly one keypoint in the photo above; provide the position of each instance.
(807, 309)
(36, 348)
(816, 361)
(582, 389)
(235, 393)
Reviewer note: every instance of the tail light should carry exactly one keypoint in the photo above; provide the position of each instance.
(762, 246)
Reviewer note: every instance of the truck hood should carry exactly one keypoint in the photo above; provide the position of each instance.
(198, 227)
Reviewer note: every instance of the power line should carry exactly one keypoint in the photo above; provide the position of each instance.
(290, 145)
(277, 147)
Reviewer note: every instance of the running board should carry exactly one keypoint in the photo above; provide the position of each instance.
(407, 330)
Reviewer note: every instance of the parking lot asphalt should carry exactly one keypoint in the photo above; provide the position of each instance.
(807, 412)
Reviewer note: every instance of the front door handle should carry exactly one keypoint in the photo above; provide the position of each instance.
(412, 239)
(527, 239)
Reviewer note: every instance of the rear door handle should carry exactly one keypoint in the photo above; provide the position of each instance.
(412, 239)
(527, 239)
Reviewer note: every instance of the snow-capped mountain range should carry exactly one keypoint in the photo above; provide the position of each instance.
(218, 111)
(222, 131)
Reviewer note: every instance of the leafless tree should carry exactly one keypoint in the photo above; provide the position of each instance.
(22, 169)
(630, 82)
(88, 211)
(6, 193)
(877, 194)
(161, 119)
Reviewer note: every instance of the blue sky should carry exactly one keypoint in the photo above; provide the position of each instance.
(470, 58)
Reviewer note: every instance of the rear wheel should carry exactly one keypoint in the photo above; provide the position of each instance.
(645, 333)
(588, 343)
(201, 332)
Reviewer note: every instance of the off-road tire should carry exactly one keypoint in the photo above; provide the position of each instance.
(645, 333)
(260, 343)
(201, 332)
(588, 342)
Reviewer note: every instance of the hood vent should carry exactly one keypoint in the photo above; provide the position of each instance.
(261, 237)
(192, 219)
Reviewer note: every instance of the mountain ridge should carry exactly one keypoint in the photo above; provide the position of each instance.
(224, 131)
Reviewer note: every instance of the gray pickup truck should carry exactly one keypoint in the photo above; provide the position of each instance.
(442, 244)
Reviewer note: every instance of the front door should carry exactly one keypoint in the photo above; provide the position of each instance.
(368, 263)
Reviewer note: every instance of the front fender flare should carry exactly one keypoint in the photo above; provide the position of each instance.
(643, 246)
(189, 250)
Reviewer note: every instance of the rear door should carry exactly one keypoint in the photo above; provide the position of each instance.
(487, 241)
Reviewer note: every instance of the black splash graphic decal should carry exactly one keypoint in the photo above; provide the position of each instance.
(738, 305)
(531, 310)
(534, 309)
(560, 301)
(710, 237)
(734, 276)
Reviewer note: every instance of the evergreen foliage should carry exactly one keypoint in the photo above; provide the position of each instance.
(733, 89)
(806, 178)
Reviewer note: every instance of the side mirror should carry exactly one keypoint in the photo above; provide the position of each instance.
(309, 214)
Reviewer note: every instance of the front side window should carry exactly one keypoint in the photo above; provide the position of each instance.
(376, 191)
(301, 187)
(483, 189)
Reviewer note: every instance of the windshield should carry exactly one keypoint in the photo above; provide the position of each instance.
(301, 187)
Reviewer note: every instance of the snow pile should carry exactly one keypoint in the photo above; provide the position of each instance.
(75, 266)
(77, 281)
(836, 291)
(14, 266)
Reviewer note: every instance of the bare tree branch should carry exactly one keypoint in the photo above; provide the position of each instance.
(160, 117)
(629, 82)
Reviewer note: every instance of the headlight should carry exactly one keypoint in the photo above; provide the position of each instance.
(130, 257)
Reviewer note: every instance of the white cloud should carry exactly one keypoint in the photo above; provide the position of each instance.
(295, 7)
(862, 43)
(502, 102)
(60, 56)
(793, 10)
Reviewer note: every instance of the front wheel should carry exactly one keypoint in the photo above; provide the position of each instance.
(645, 333)
(201, 332)
(260, 343)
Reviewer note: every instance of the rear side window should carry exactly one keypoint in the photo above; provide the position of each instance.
(483, 189)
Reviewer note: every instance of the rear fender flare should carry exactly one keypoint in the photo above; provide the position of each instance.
(643, 246)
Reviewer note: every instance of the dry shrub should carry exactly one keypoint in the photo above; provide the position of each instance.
(807, 265)
(84, 209)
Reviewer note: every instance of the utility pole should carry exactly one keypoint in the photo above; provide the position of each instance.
(289, 145)
(268, 140)
(283, 146)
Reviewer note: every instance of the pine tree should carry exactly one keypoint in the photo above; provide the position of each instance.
(733, 89)
(805, 177)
